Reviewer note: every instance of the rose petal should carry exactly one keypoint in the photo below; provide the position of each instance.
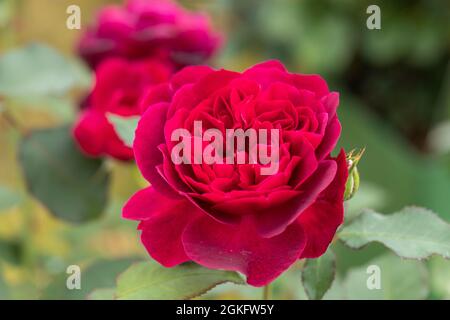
(312, 82)
(330, 139)
(270, 64)
(162, 232)
(154, 95)
(331, 102)
(163, 222)
(189, 75)
(90, 132)
(212, 82)
(220, 246)
(265, 76)
(149, 135)
(143, 204)
(321, 220)
(96, 137)
(271, 223)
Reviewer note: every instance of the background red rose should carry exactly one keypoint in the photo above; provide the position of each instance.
(118, 89)
(228, 216)
(141, 29)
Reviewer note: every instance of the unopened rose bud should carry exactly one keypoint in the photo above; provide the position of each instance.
(352, 184)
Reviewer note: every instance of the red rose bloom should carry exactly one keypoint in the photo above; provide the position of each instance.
(229, 216)
(142, 29)
(118, 89)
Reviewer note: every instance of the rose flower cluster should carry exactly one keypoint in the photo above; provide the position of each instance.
(118, 89)
(132, 48)
(220, 215)
(149, 28)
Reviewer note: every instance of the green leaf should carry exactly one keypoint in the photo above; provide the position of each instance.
(102, 294)
(149, 280)
(125, 127)
(318, 275)
(411, 233)
(399, 279)
(440, 277)
(337, 290)
(101, 275)
(368, 196)
(72, 186)
(37, 70)
(62, 108)
(8, 198)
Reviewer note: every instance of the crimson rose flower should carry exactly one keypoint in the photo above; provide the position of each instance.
(118, 89)
(142, 29)
(229, 216)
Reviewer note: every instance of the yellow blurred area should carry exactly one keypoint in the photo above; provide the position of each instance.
(11, 223)
(45, 21)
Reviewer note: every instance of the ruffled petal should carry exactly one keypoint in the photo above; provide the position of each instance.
(212, 82)
(163, 223)
(331, 103)
(321, 220)
(188, 75)
(330, 139)
(271, 223)
(270, 64)
(149, 135)
(311, 82)
(156, 94)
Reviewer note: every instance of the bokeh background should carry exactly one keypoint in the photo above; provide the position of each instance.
(395, 102)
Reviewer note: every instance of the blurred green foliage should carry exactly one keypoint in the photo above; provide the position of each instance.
(72, 186)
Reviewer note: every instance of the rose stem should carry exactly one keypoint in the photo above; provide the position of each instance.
(266, 292)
